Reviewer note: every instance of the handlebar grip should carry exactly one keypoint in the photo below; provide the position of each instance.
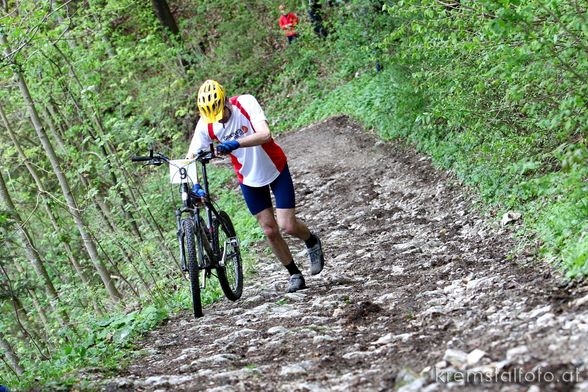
(140, 159)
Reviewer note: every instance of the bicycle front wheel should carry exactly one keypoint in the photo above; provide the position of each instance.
(230, 275)
(192, 258)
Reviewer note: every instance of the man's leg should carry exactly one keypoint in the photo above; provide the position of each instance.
(259, 202)
(280, 248)
(283, 190)
(293, 226)
(270, 227)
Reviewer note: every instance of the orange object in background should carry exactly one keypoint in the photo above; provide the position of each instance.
(288, 22)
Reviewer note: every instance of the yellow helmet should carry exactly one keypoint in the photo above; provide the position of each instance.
(211, 101)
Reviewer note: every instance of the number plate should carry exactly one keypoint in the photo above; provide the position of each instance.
(183, 171)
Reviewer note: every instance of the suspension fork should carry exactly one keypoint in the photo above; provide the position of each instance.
(180, 234)
(185, 194)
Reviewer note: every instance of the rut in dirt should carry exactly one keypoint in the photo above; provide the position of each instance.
(416, 287)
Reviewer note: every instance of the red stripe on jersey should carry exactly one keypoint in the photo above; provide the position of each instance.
(271, 148)
(276, 154)
(211, 132)
(237, 166)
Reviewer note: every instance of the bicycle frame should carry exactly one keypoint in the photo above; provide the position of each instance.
(193, 207)
(206, 227)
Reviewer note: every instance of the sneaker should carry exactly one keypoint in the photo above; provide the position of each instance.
(295, 283)
(317, 259)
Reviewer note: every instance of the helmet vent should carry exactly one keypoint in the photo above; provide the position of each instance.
(211, 97)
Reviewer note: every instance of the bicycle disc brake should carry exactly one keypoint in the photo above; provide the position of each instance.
(229, 250)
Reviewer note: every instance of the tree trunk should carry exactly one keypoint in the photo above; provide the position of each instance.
(30, 335)
(30, 249)
(54, 132)
(27, 326)
(33, 172)
(108, 153)
(39, 309)
(166, 18)
(10, 355)
(57, 117)
(27, 241)
(69, 198)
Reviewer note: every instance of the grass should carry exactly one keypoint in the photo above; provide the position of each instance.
(545, 180)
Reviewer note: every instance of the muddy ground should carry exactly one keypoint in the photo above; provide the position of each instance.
(418, 293)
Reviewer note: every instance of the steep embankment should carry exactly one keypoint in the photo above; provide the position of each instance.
(414, 279)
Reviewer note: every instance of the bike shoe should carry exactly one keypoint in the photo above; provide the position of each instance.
(317, 259)
(295, 283)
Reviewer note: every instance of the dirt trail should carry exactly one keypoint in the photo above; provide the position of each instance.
(416, 288)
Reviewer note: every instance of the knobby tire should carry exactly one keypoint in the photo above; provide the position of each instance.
(192, 256)
(231, 275)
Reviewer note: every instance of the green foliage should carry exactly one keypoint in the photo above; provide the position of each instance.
(115, 87)
(313, 66)
(100, 344)
(493, 91)
(506, 108)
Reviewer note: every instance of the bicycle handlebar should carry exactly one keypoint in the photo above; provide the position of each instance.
(158, 158)
(204, 155)
(140, 159)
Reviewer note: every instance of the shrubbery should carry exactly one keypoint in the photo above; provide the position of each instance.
(494, 91)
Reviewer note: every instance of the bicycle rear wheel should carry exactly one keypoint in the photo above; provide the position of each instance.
(192, 256)
(230, 275)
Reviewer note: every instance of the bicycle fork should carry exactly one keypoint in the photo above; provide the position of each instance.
(180, 234)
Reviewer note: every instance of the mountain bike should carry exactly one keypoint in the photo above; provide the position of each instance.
(206, 236)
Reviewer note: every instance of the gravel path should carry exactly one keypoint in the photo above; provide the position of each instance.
(418, 292)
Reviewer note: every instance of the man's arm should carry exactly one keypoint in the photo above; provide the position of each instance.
(262, 135)
(200, 141)
(258, 121)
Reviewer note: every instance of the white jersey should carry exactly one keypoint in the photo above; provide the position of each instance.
(255, 166)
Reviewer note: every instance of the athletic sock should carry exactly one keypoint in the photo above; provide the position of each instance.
(311, 241)
(292, 268)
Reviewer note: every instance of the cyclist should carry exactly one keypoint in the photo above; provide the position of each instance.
(239, 127)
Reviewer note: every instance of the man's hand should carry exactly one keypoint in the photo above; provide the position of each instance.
(198, 191)
(190, 155)
(227, 147)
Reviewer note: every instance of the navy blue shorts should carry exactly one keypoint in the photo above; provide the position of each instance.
(259, 198)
